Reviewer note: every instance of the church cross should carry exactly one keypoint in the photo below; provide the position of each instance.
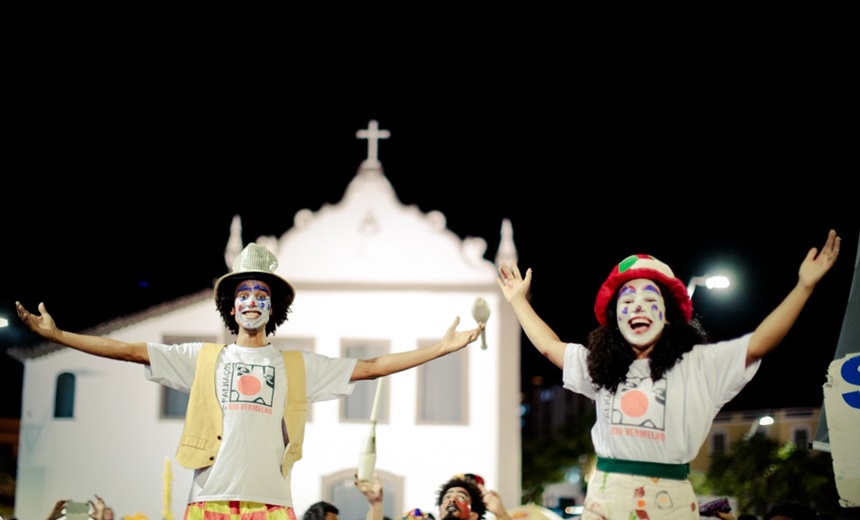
(373, 134)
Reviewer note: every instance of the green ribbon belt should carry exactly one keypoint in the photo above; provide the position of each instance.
(645, 469)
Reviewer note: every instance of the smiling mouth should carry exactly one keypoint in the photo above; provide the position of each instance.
(639, 325)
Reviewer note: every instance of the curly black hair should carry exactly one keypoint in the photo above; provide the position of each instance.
(610, 356)
(478, 506)
(318, 510)
(224, 303)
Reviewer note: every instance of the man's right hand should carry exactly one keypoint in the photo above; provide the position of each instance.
(42, 325)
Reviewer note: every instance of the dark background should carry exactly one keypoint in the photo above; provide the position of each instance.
(119, 196)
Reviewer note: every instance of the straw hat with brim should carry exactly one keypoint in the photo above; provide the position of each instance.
(641, 266)
(255, 262)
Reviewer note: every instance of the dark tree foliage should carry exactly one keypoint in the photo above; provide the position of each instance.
(760, 472)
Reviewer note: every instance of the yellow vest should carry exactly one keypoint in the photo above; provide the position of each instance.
(201, 434)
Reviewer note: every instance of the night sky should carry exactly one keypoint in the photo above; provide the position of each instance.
(133, 208)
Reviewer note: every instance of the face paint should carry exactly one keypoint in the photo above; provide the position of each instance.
(641, 313)
(253, 304)
(456, 503)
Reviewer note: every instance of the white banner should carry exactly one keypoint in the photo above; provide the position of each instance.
(842, 402)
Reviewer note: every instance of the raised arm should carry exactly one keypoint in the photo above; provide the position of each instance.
(57, 512)
(98, 508)
(515, 290)
(372, 490)
(380, 366)
(773, 329)
(44, 326)
(493, 503)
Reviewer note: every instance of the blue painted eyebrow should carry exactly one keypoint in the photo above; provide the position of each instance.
(627, 290)
(653, 288)
(247, 287)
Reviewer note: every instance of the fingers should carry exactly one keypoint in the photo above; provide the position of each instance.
(831, 246)
(516, 270)
(830, 249)
(837, 243)
(507, 271)
(831, 239)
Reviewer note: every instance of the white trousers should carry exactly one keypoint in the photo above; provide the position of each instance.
(618, 496)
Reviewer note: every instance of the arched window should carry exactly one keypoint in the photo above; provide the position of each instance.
(64, 400)
(339, 489)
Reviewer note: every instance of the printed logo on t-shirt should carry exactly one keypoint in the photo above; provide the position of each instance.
(638, 408)
(251, 387)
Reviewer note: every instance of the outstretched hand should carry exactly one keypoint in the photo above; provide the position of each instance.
(512, 283)
(42, 325)
(454, 339)
(816, 264)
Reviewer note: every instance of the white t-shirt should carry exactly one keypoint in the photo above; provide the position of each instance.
(251, 386)
(667, 420)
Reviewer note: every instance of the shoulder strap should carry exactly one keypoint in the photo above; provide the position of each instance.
(296, 407)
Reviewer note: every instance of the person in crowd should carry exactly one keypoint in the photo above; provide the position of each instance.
(57, 512)
(322, 510)
(656, 380)
(728, 515)
(462, 497)
(791, 510)
(242, 434)
(417, 514)
(372, 490)
(96, 510)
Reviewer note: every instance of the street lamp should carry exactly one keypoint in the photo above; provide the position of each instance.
(764, 420)
(711, 282)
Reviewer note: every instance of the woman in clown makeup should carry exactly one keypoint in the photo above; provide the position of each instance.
(656, 381)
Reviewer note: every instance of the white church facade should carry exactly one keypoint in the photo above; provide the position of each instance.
(371, 276)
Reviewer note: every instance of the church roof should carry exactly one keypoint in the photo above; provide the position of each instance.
(368, 239)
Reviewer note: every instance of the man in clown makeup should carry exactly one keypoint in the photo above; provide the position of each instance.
(242, 434)
(656, 382)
